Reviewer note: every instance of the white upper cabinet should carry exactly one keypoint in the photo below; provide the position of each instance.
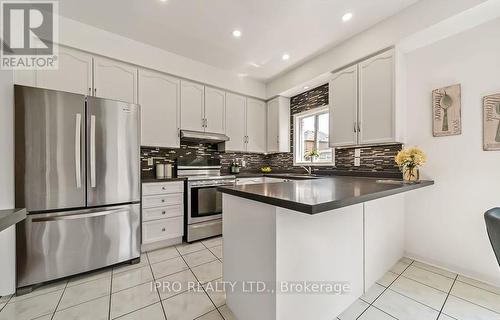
(376, 99)
(278, 125)
(192, 106)
(236, 122)
(215, 110)
(159, 97)
(256, 126)
(343, 104)
(362, 109)
(73, 75)
(115, 80)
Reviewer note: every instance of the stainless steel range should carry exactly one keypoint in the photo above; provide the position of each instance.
(204, 202)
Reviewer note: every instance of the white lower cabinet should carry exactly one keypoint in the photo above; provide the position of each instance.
(162, 214)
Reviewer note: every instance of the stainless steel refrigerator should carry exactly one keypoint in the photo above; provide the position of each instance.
(78, 175)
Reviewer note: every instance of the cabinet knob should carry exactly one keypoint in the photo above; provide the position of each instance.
(163, 229)
(163, 188)
(162, 200)
(163, 212)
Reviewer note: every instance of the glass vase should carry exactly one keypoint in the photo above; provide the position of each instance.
(411, 174)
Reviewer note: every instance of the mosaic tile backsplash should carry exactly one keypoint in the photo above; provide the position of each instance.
(374, 159)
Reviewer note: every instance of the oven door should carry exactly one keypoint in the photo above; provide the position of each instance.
(204, 202)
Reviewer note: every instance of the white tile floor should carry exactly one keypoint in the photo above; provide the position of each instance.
(411, 290)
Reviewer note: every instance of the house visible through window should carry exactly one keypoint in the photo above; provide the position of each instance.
(311, 138)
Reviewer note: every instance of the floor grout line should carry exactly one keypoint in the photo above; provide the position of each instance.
(60, 299)
(478, 305)
(198, 280)
(110, 293)
(446, 300)
(386, 288)
(154, 285)
(458, 280)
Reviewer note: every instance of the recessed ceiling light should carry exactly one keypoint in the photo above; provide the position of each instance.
(254, 64)
(236, 33)
(346, 17)
(285, 56)
(163, 0)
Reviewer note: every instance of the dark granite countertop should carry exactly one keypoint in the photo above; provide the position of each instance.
(148, 180)
(319, 195)
(10, 217)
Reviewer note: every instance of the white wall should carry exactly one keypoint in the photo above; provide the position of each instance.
(420, 16)
(88, 38)
(445, 224)
(6, 140)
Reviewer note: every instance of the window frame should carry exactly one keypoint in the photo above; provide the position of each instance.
(296, 136)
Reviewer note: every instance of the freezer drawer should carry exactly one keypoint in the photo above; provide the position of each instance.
(56, 245)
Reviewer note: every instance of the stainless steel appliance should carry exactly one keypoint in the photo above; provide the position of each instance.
(204, 202)
(78, 176)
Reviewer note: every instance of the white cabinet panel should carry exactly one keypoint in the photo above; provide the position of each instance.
(278, 125)
(235, 122)
(192, 106)
(162, 188)
(164, 229)
(162, 212)
(73, 75)
(215, 110)
(162, 200)
(343, 101)
(159, 97)
(256, 126)
(115, 80)
(384, 236)
(272, 126)
(376, 99)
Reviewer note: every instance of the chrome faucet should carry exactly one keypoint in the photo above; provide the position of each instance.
(308, 169)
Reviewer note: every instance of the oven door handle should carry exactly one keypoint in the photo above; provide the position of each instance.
(204, 224)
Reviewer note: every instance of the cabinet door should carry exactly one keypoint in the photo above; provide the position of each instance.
(115, 80)
(192, 105)
(74, 74)
(215, 110)
(256, 126)
(376, 99)
(236, 122)
(272, 125)
(343, 100)
(159, 97)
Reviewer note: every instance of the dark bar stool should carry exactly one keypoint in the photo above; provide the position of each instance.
(492, 218)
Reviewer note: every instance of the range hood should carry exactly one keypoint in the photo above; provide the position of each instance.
(203, 137)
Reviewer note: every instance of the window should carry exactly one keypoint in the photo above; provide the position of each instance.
(311, 133)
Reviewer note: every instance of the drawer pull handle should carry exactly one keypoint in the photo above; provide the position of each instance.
(162, 200)
(163, 188)
(163, 212)
(163, 229)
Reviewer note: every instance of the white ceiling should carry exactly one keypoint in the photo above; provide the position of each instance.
(202, 29)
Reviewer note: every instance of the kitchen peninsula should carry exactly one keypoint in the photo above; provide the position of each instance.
(346, 231)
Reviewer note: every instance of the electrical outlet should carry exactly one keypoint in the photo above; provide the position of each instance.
(357, 153)
(357, 162)
(243, 163)
(150, 161)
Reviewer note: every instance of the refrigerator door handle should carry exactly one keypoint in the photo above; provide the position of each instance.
(77, 215)
(92, 152)
(78, 160)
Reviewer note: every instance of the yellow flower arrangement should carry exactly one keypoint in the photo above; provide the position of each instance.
(409, 160)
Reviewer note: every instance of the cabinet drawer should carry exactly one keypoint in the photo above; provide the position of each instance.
(162, 200)
(162, 212)
(163, 229)
(162, 188)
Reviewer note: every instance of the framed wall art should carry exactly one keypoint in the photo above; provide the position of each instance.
(446, 111)
(491, 122)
